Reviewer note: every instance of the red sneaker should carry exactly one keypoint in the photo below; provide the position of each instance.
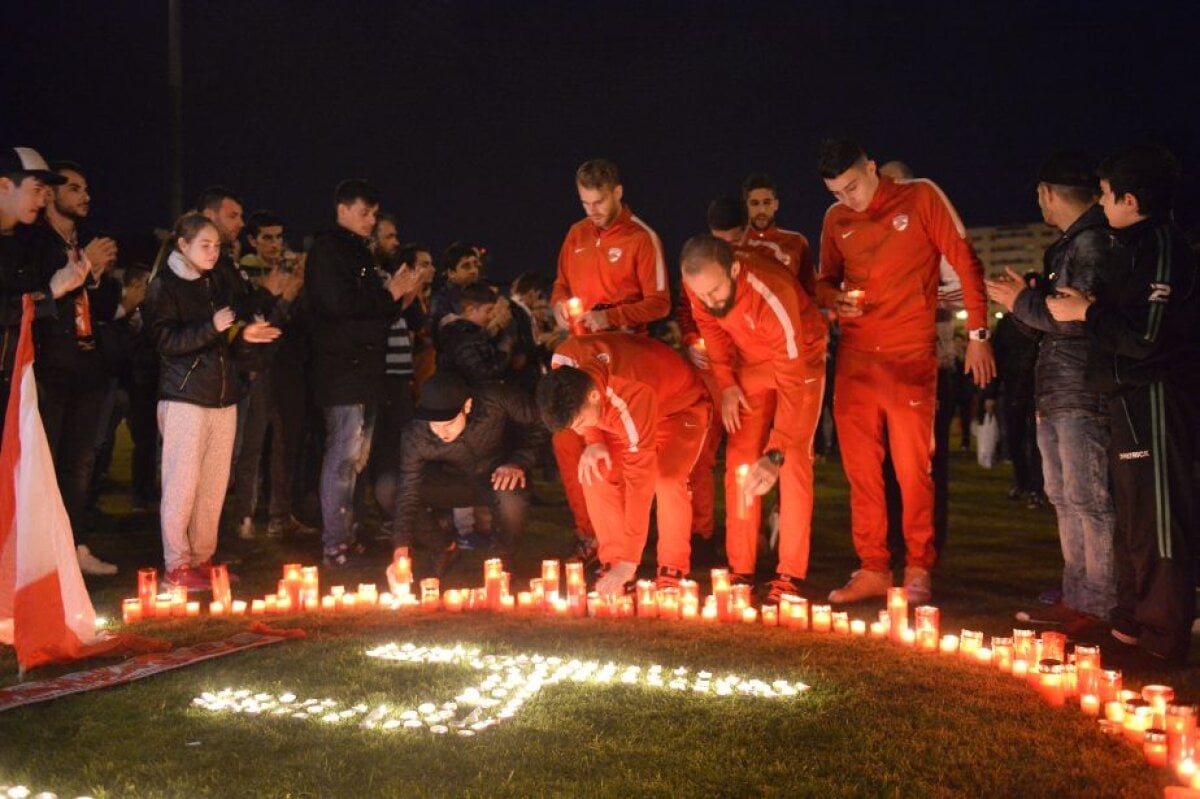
(188, 578)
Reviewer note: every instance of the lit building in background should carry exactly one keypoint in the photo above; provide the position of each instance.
(1017, 246)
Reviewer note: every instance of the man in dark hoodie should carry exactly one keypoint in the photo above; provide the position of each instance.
(1143, 324)
(465, 342)
(352, 311)
(1073, 426)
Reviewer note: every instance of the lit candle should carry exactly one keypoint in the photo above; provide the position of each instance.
(348, 602)
(1137, 720)
(858, 627)
(1089, 704)
(689, 588)
(218, 577)
(452, 600)
(840, 622)
(798, 612)
(131, 610)
(493, 569)
(1158, 696)
(329, 602)
(908, 636)
(561, 607)
(1181, 733)
(878, 629)
(508, 603)
(625, 606)
(739, 597)
(927, 620)
(1023, 646)
(968, 642)
(822, 619)
(709, 613)
(576, 584)
(949, 644)
(749, 615)
(647, 607)
(368, 594)
(1050, 682)
(720, 588)
(549, 580)
(239, 607)
(538, 592)
(272, 603)
(1020, 669)
(162, 606)
(1185, 770)
(524, 600)
(311, 603)
(258, 607)
(431, 594)
(574, 311)
(668, 603)
(770, 615)
(147, 589)
(1110, 684)
(1114, 711)
(1154, 747)
(1054, 646)
(689, 608)
(192, 609)
(1002, 652)
(897, 607)
(311, 582)
(216, 608)
(179, 601)
(855, 297)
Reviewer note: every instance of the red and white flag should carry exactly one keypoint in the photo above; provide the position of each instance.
(45, 610)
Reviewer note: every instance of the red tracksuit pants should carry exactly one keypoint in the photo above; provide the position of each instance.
(568, 446)
(795, 476)
(704, 493)
(874, 396)
(678, 442)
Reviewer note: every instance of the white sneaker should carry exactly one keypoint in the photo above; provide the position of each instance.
(616, 579)
(90, 564)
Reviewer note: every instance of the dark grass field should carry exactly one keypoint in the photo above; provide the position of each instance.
(879, 720)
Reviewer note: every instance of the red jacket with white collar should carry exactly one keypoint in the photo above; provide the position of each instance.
(892, 251)
(620, 266)
(789, 248)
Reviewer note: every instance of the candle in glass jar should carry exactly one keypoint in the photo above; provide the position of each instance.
(329, 602)
(1089, 704)
(858, 627)
(574, 311)
(131, 610)
(647, 608)
(798, 613)
(770, 615)
(1114, 711)
(897, 608)
(1023, 646)
(258, 607)
(218, 578)
(749, 615)
(1181, 733)
(709, 612)
(452, 600)
(238, 607)
(192, 609)
(668, 603)
(431, 593)
(561, 607)
(549, 580)
(1158, 696)
(1138, 716)
(689, 608)
(1002, 652)
(1154, 747)
(822, 618)
(1109, 684)
(840, 622)
(968, 642)
(926, 620)
(524, 600)
(147, 589)
(1054, 646)
(720, 590)
(216, 608)
(1020, 669)
(949, 645)
(1050, 682)
(576, 584)
(878, 629)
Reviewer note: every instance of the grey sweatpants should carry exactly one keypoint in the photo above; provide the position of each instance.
(196, 451)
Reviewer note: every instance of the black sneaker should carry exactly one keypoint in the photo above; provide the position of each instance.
(668, 577)
(781, 585)
(585, 551)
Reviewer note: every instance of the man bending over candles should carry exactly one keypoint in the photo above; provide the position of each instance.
(643, 413)
(466, 448)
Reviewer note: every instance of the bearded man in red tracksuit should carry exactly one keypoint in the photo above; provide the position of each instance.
(788, 247)
(611, 264)
(881, 244)
(643, 413)
(766, 345)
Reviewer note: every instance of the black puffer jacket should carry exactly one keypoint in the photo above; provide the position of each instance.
(351, 314)
(499, 414)
(1075, 260)
(197, 364)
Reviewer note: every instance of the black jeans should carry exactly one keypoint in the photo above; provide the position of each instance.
(395, 411)
(72, 420)
(445, 489)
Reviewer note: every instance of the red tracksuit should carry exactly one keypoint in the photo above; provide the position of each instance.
(772, 345)
(789, 248)
(620, 268)
(655, 414)
(887, 366)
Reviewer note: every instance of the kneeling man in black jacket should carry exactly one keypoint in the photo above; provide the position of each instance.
(464, 448)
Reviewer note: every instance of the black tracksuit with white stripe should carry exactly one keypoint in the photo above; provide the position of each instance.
(1145, 335)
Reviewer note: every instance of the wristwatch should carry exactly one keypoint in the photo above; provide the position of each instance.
(979, 334)
(774, 456)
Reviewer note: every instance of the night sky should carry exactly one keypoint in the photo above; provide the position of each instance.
(471, 117)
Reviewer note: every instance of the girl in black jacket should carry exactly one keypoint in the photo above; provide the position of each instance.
(199, 340)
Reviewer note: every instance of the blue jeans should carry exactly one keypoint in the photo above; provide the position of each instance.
(348, 431)
(1074, 447)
